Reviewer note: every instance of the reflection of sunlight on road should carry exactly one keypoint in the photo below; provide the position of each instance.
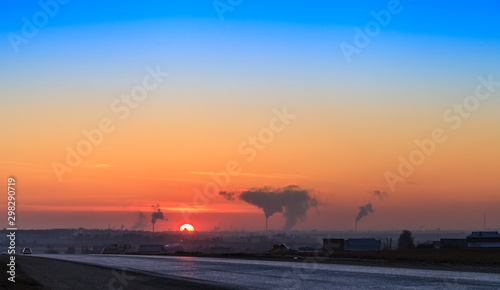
(262, 274)
(188, 267)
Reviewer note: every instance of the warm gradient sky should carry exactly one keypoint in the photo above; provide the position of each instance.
(226, 76)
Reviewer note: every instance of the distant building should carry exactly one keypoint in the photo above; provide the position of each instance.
(332, 245)
(151, 250)
(110, 249)
(281, 250)
(453, 243)
(363, 245)
(483, 240)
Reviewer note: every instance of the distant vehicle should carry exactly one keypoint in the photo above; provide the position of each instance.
(26, 251)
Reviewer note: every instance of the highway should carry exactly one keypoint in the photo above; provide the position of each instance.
(262, 274)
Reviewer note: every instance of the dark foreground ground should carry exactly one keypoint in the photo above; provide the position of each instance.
(41, 273)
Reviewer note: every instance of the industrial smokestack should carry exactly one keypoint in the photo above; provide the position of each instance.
(157, 214)
(291, 200)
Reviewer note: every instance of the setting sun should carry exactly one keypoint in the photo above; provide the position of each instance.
(187, 227)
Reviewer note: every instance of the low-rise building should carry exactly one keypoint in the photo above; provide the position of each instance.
(483, 240)
(363, 245)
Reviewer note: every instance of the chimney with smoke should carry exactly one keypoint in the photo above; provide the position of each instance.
(363, 211)
(157, 214)
(290, 200)
(368, 208)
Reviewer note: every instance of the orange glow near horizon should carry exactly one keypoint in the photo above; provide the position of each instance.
(233, 131)
(186, 228)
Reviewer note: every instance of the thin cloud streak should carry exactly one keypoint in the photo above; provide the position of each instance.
(143, 178)
(166, 209)
(23, 165)
(273, 176)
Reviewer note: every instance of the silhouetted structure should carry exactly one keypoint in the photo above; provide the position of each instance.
(156, 215)
(290, 200)
(483, 240)
(362, 245)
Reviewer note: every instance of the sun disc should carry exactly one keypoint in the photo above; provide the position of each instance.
(187, 228)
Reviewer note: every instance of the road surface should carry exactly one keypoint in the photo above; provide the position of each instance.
(262, 274)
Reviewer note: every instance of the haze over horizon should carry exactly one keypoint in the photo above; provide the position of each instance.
(110, 108)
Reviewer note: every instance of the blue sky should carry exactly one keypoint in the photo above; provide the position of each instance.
(476, 19)
(257, 43)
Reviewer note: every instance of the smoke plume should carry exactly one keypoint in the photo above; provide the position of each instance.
(364, 211)
(140, 223)
(290, 200)
(157, 214)
(379, 194)
(229, 195)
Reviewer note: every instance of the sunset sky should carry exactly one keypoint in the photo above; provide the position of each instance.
(234, 72)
